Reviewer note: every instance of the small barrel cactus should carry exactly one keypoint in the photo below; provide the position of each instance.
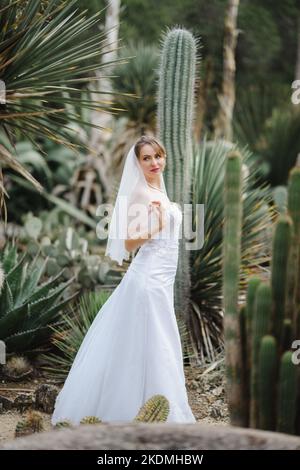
(90, 420)
(63, 424)
(156, 409)
(31, 424)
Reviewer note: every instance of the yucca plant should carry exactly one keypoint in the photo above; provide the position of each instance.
(254, 106)
(48, 52)
(137, 83)
(69, 335)
(280, 143)
(269, 125)
(28, 306)
(206, 295)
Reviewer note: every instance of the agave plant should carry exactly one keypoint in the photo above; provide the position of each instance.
(28, 306)
(68, 336)
(206, 263)
(54, 170)
(48, 52)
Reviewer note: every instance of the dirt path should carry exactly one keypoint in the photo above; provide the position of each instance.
(206, 395)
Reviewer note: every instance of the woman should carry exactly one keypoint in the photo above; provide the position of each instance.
(132, 350)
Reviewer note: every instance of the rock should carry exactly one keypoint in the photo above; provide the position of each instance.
(5, 403)
(164, 436)
(215, 413)
(194, 385)
(45, 396)
(23, 401)
(218, 391)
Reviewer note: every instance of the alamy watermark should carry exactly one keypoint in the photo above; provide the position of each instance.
(139, 221)
(296, 354)
(2, 352)
(295, 98)
(2, 92)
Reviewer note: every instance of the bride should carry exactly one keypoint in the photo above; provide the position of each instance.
(132, 349)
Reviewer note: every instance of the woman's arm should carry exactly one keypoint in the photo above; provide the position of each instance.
(132, 244)
(137, 240)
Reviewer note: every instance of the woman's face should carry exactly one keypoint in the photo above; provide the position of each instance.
(151, 162)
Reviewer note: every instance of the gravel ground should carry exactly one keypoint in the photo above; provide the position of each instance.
(206, 394)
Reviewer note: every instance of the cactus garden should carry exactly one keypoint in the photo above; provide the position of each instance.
(217, 84)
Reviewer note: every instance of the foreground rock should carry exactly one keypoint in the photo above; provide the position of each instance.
(162, 436)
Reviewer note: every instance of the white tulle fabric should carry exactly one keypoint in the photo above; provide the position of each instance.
(132, 350)
(133, 189)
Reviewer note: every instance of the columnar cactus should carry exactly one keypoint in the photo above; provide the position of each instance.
(175, 108)
(294, 262)
(231, 269)
(280, 257)
(261, 327)
(287, 394)
(268, 321)
(267, 382)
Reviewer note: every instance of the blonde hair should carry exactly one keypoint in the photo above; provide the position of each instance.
(155, 143)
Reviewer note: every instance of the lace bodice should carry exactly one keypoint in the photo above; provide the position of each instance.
(168, 237)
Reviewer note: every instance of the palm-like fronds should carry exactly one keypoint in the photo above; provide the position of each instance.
(28, 306)
(206, 272)
(253, 107)
(279, 144)
(48, 52)
(136, 81)
(69, 335)
(269, 125)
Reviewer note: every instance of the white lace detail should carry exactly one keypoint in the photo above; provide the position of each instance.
(164, 245)
(159, 246)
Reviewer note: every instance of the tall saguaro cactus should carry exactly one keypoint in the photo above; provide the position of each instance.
(231, 269)
(175, 113)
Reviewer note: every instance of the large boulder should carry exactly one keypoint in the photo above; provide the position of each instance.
(163, 436)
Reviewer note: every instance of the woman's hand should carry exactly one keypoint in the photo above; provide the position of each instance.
(134, 242)
(156, 208)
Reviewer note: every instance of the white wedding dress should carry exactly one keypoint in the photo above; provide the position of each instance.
(132, 350)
